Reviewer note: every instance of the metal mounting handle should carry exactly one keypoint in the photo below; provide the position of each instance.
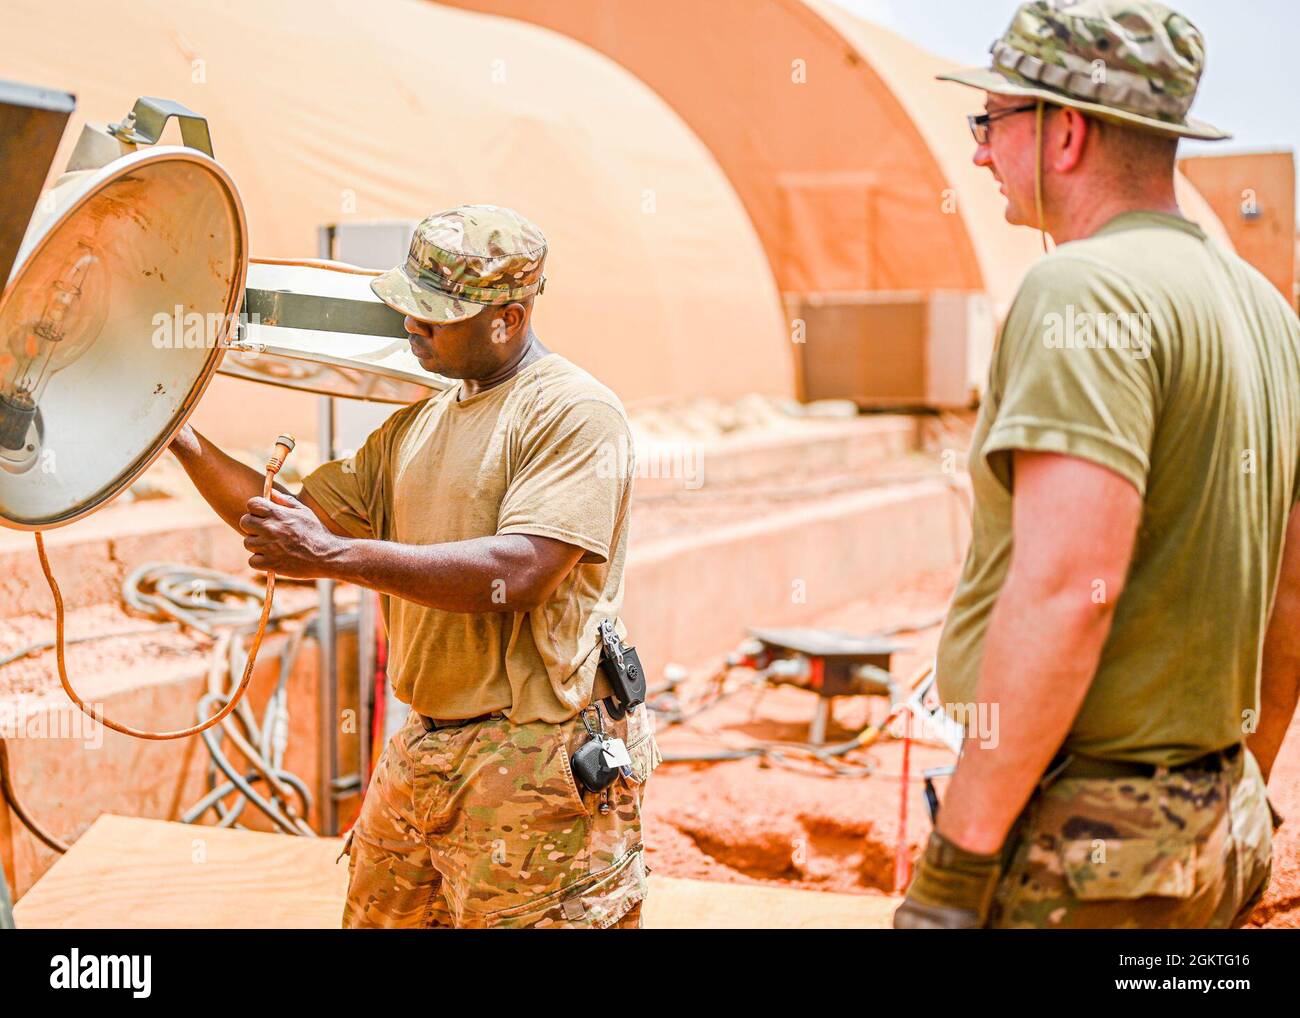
(144, 124)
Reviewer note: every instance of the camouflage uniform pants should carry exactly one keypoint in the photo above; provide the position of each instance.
(1182, 849)
(484, 826)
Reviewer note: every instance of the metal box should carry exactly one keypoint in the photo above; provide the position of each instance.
(902, 349)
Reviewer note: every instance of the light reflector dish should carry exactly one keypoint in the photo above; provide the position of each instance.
(111, 327)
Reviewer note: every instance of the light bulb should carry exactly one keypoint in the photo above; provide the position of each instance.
(53, 327)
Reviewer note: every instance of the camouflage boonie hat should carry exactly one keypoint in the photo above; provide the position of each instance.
(463, 260)
(1127, 61)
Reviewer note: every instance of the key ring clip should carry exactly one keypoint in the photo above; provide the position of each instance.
(599, 732)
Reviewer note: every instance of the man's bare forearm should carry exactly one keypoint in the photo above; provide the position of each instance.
(1045, 636)
(497, 573)
(1040, 655)
(507, 573)
(1279, 686)
(224, 482)
(1278, 696)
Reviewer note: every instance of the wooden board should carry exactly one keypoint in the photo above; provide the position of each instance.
(674, 903)
(126, 872)
(131, 873)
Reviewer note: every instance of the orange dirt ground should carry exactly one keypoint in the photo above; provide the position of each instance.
(749, 821)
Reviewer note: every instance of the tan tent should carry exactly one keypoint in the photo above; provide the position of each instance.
(853, 162)
(339, 112)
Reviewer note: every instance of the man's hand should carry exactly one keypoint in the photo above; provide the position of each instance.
(288, 538)
(952, 888)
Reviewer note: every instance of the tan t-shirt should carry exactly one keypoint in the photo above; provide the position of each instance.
(546, 453)
(1196, 401)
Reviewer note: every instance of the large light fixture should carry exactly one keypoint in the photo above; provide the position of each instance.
(112, 322)
(111, 326)
(317, 327)
(124, 296)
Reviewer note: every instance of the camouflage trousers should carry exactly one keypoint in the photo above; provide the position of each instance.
(1181, 849)
(484, 826)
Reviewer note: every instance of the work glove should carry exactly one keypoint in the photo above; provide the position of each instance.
(952, 888)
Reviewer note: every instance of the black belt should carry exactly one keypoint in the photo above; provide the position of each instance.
(433, 724)
(1074, 765)
(600, 690)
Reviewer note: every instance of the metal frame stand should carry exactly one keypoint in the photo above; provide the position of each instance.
(327, 642)
(821, 718)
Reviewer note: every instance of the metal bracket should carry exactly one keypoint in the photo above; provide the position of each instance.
(145, 123)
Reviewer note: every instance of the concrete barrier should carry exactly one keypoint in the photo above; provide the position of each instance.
(691, 597)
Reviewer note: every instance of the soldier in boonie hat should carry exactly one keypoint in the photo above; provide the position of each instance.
(1128, 62)
(1125, 62)
(465, 259)
(1116, 784)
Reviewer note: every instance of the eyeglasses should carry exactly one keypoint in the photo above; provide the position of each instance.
(979, 123)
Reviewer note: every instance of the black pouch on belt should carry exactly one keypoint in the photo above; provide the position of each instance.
(623, 669)
(599, 761)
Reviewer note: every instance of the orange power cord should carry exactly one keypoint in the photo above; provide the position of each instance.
(283, 446)
(11, 797)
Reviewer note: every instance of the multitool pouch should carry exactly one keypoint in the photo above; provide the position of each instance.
(623, 669)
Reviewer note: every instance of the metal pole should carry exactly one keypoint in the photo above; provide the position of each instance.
(821, 715)
(327, 695)
(327, 633)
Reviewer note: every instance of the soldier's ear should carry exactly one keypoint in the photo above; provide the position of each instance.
(516, 316)
(507, 321)
(1073, 130)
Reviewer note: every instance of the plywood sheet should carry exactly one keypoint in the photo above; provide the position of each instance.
(131, 873)
(126, 872)
(702, 905)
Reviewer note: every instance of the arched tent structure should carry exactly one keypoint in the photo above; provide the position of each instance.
(853, 162)
(336, 111)
(939, 109)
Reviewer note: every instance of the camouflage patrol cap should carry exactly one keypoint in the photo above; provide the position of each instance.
(1128, 61)
(463, 260)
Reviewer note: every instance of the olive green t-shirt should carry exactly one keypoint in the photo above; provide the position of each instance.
(545, 453)
(1192, 394)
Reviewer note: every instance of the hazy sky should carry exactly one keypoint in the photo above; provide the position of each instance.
(1252, 76)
